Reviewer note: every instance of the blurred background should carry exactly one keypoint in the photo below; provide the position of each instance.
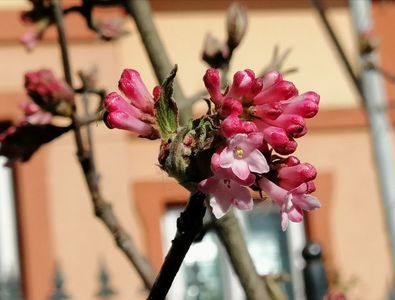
(51, 245)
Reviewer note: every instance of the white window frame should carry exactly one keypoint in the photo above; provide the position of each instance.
(295, 235)
(9, 253)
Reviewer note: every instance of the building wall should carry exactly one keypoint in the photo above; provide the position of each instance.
(79, 242)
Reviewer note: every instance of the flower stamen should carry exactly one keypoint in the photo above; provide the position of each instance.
(239, 152)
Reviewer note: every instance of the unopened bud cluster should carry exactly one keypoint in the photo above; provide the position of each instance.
(50, 93)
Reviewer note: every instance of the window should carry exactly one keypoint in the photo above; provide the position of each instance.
(9, 254)
(206, 273)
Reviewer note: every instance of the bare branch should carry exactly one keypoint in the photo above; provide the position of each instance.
(189, 224)
(230, 234)
(103, 209)
(325, 22)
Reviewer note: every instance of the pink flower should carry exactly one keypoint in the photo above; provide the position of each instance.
(34, 115)
(242, 84)
(48, 87)
(304, 105)
(123, 115)
(226, 193)
(231, 106)
(30, 39)
(228, 173)
(135, 90)
(277, 138)
(49, 92)
(242, 155)
(290, 177)
(275, 89)
(212, 81)
(291, 203)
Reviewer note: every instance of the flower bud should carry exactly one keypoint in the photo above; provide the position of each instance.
(212, 81)
(305, 105)
(279, 140)
(215, 53)
(281, 90)
(231, 126)
(237, 22)
(242, 83)
(125, 116)
(135, 90)
(231, 106)
(50, 93)
(293, 176)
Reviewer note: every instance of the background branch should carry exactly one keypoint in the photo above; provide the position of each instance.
(140, 11)
(231, 236)
(103, 209)
(317, 4)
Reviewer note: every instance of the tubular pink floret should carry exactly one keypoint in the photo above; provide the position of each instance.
(291, 202)
(292, 177)
(231, 106)
(294, 125)
(212, 81)
(266, 111)
(305, 105)
(46, 85)
(282, 90)
(231, 126)
(135, 90)
(270, 79)
(242, 83)
(279, 140)
(115, 102)
(122, 120)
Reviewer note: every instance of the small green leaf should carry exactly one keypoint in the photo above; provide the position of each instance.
(166, 108)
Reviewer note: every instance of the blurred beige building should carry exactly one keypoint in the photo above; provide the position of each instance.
(54, 215)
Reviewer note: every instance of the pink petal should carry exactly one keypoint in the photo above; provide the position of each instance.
(306, 202)
(241, 197)
(271, 78)
(251, 141)
(257, 162)
(240, 169)
(220, 206)
(238, 139)
(226, 158)
(246, 182)
(208, 186)
(121, 120)
(276, 193)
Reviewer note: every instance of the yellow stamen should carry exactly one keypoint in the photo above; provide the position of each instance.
(238, 152)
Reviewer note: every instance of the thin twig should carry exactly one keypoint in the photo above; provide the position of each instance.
(189, 224)
(102, 208)
(386, 74)
(321, 12)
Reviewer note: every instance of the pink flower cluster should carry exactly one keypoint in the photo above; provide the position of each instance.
(49, 92)
(135, 114)
(255, 120)
(260, 116)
